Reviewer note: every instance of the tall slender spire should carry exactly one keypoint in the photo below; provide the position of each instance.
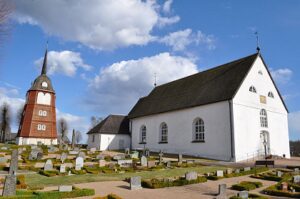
(44, 69)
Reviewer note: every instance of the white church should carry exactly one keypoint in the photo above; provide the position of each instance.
(232, 112)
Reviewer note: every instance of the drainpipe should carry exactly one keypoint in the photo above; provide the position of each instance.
(232, 144)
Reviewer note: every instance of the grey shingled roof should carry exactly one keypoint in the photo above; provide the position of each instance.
(210, 86)
(113, 124)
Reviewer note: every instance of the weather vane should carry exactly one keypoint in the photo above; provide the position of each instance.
(257, 42)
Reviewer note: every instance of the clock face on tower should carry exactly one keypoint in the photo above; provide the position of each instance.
(44, 85)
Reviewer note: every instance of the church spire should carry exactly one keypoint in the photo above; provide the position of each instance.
(44, 69)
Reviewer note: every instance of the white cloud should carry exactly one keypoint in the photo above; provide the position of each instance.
(282, 75)
(64, 62)
(294, 123)
(120, 85)
(167, 6)
(102, 25)
(181, 39)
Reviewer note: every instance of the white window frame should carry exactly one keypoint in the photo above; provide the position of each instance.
(198, 130)
(143, 134)
(263, 118)
(163, 133)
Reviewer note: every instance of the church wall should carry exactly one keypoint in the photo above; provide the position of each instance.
(95, 143)
(246, 113)
(216, 118)
(109, 141)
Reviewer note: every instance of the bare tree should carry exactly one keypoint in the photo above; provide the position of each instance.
(5, 122)
(63, 129)
(78, 136)
(95, 120)
(19, 115)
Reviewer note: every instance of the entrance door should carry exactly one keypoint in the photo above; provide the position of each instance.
(265, 142)
(121, 144)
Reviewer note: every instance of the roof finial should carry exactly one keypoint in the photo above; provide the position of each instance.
(154, 79)
(44, 69)
(257, 42)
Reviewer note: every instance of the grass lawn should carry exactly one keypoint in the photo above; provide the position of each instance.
(36, 179)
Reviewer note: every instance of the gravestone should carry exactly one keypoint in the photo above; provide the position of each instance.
(93, 150)
(228, 171)
(111, 166)
(284, 186)
(125, 163)
(13, 162)
(63, 157)
(143, 161)
(3, 160)
(20, 150)
(190, 161)
(102, 163)
(179, 158)
(168, 164)
(62, 168)
(100, 157)
(78, 163)
(147, 153)
(296, 170)
(39, 156)
(127, 151)
(247, 168)
(35, 154)
(77, 149)
(192, 175)
(73, 152)
(222, 191)
(134, 155)
(58, 157)
(296, 179)
(243, 194)
(119, 157)
(4, 148)
(160, 157)
(81, 154)
(135, 183)
(9, 188)
(65, 188)
(220, 173)
(151, 163)
(279, 173)
(237, 171)
(48, 165)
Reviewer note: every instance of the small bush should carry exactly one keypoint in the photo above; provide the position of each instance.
(35, 187)
(79, 172)
(213, 177)
(49, 173)
(246, 185)
(251, 195)
(109, 196)
(21, 182)
(274, 191)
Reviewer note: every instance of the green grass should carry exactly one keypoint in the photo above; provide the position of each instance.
(36, 179)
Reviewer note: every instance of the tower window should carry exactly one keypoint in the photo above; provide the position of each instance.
(42, 113)
(252, 89)
(41, 127)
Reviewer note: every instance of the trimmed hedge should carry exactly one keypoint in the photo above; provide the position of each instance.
(246, 185)
(79, 172)
(251, 195)
(109, 196)
(242, 173)
(49, 173)
(21, 182)
(157, 183)
(274, 191)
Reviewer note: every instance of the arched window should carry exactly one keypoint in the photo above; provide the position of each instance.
(263, 118)
(163, 133)
(260, 72)
(270, 94)
(198, 128)
(143, 133)
(252, 89)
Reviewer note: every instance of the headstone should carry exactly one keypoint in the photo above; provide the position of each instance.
(237, 171)
(81, 154)
(220, 173)
(296, 179)
(134, 155)
(125, 163)
(151, 163)
(135, 183)
(39, 156)
(119, 157)
(279, 173)
(73, 152)
(65, 188)
(143, 161)
(93, 150)
(229, 171)
(111, 166)
(247, 168)
(284, 186)
(77, 149)
(63, 157)
(147, 153)
(127, 151)
(296, 170)
(168, 164)
(58, 157)
(160, 157)
(3, 160)
(102, 163)
(100, 157)
(13, 162)
(62, 168)
(222, 191)
(190, 161)
(9, 188)
(4, 148)
(192, 175)
(48, 165)
(179, 158)
(78, 163)
(243, 194)
(20, 150)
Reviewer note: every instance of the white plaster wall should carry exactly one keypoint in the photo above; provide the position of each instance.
(180, 131)
(35, 141)
(246, 113)
(108, 141)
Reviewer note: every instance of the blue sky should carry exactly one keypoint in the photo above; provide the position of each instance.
(103, 55)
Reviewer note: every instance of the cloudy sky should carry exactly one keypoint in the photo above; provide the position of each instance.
(103, 55)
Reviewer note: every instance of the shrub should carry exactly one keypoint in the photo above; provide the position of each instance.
(251, 195)
(49, 173)
(72, 194)
(35, 187)
(79, 172)
(21, 182)
(246, 185)
(213, 177)
(252, 171)
(273, 191)
(109, 196)
(92, 170)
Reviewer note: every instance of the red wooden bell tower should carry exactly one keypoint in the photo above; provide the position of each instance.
(38, 122)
